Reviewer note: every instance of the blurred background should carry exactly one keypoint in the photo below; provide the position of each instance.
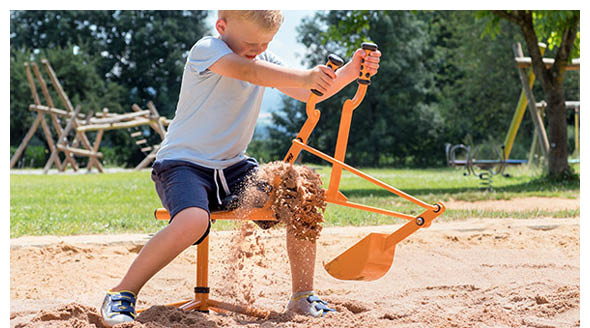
(445, 77)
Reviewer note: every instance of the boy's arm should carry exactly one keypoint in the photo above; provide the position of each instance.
(267, 74)
(344, 76)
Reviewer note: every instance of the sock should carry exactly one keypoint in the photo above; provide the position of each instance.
(300, 295)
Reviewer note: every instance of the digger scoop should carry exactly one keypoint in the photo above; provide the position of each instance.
(372, 257)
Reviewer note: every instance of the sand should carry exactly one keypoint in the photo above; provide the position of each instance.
(296, 197)
(473, 273)
(517, 204)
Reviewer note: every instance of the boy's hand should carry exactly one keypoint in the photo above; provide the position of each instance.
(371, 62)
(320, 78)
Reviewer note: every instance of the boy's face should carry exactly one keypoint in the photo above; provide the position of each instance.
(245, 38)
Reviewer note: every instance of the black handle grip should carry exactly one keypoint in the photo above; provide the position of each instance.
(364, 76)
(369, 46)
(334, 62)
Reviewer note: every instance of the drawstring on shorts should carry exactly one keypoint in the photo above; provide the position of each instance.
(219, 172)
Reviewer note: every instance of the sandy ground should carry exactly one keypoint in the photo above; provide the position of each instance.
(517, 204)
(473, 273)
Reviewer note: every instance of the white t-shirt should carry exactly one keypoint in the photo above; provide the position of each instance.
(216, 115)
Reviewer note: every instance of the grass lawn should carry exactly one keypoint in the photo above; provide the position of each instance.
(125, 201)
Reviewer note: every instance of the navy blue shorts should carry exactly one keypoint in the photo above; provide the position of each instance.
(182, 184)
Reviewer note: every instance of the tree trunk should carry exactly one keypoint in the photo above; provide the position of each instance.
(557, 131)
(552, 83)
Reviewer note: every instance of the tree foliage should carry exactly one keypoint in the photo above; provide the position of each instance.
(104, 59)
(478, 86)
(439, 81)
(397, 106)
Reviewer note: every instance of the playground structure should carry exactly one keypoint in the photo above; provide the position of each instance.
(485, 169)
(367, 260)
(70, 123)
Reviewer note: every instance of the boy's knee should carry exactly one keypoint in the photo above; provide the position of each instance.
(193, 222)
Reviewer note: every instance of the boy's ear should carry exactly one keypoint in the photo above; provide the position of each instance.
(220, 25)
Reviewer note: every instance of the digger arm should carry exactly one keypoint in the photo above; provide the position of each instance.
(370, 258)
(364, 80)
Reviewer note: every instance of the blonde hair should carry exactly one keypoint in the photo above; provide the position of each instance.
(269, 20)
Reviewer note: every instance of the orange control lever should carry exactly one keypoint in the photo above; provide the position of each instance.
(364, 80)
(313, 115)
(334, 62)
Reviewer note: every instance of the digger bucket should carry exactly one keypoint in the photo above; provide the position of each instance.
(372, 257)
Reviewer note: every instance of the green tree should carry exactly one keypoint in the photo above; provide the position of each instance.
(476, 84)
(396, 124)
(440, 80)
(147, 52)
(560, 29)
(143, 52)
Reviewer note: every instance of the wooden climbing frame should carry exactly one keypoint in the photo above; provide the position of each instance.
(72, 118)
(69, 122)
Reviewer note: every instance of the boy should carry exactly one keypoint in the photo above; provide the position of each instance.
(202, 160)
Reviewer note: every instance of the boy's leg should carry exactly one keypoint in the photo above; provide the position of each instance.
(187, 227)
(183, 189)
(302, 261)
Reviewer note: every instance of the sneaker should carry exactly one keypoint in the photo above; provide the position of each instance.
(118, 307)
(309, 304)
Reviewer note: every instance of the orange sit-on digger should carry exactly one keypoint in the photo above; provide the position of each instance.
(369, 259)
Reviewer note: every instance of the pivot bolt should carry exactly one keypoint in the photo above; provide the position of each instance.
(438, 208)
(419, 221)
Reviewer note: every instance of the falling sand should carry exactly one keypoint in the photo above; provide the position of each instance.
(296, 197)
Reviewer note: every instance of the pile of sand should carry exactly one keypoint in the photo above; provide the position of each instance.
(72, 315)
(296, 197)
(75, 315)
